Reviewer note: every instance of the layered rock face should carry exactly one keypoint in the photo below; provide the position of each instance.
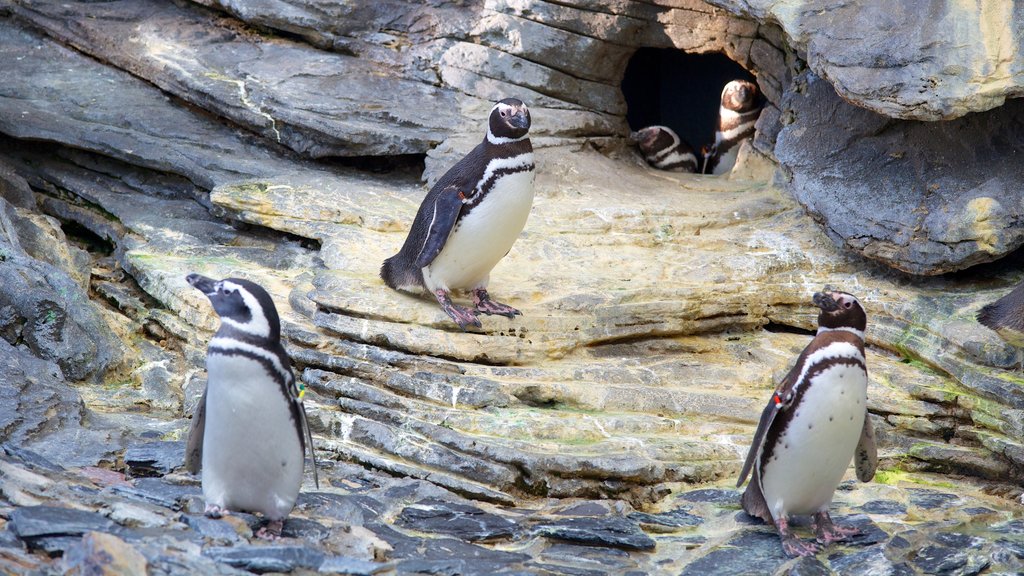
(282, 142)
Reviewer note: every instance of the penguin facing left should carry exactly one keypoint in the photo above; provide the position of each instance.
(250, 423)
(664, 149)
(470, 219)
(815, 422)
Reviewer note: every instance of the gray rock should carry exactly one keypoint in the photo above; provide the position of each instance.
(870, 562)
(216, 530)
(952, 63)
(55, 529)
(288, 92)
(456, 520)
(614, 531)
(349, 508)
(46, 310)
(858, 172)
(260, 559)
(678, 518)
(746, 553)
(807, 566)
(883, 507)
(154, 458)
(158, 491)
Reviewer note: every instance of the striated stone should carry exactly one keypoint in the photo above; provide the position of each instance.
(102, 554)
(260, 559)
(55, 529)
(678, 518)
(612, 531)
(154, 458)
(806, 566)
(456, 520)
(858, 172)
(748, 552)
(870, 562)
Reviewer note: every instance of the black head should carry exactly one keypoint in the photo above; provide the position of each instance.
(241, 305)
(509, 120)
(839, 310)
(654, 139)
(740, 96)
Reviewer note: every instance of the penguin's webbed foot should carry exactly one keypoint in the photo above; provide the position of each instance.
(791, 544)
(484, 305)
(214, 511)
(462, 316)
(271, 531)
(827, 532)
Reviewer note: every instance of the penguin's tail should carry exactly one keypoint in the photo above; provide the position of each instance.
(399, 276)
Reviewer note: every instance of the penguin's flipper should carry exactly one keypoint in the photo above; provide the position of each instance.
(196, 432)
(780, 399)
(309, 442)
(447, 208)
(866, 457)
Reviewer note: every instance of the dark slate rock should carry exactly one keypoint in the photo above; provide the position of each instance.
(9, 539)
(678, 518)
(807, 566)
(978, 511)
(870, 533)
(154, 458)
(713, 496)
(54, 529)
(448, 556)
(585, 509)
(857, 172)
(211, 528)
(352, 566)
(262, 559)
(1011, 527)
(930, 499)
(869, 562)
(888, 507)
(751, 552)
(30, 458)
(1014, 547)
(597, 531)
(305, 529)
(355, 509)
(158, 491)
(957, 540)
(457, 520)
(936, 559)
(564, 554)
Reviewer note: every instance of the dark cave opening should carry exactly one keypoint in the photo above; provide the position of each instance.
(669, 87)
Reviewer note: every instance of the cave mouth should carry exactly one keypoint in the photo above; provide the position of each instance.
(669, 87)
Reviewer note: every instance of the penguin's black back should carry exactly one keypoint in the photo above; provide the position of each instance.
(1005, 313)
(400, 271)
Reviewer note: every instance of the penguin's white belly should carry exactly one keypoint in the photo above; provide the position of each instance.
(727, 161)
(252, 458)
(483, 237)
(816, 448)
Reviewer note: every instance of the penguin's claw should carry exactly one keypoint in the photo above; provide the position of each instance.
(214, 511)
(827, 532)
(792, 545)
(462, 316)
(484, 305)
(272, 530)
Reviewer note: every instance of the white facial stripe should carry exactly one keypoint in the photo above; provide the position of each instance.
(493, 166)
(229, 344)
(833, 350)
(257, 324)
(854, 331)
(501, 139)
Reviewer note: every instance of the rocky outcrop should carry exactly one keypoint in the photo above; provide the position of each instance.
(658, 308)
(924, 197)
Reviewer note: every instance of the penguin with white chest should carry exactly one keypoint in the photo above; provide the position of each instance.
(815, 422)
(737, 115)
(664, 149)
(470, 219)
(249, 430)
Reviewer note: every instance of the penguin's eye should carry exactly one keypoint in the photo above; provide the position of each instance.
(847, 304)
(504, 114)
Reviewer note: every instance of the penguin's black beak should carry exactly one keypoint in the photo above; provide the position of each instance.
(202, 283)
(521, 119)
(825, 301)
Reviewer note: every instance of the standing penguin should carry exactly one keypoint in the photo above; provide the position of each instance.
(815, 422)
(737, 115)
(663, 149)
(250, 422)
(470, 219)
